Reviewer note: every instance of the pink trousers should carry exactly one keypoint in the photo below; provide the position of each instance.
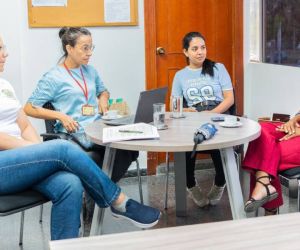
(268, 154)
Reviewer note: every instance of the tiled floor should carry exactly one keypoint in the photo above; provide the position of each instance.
(36, 235)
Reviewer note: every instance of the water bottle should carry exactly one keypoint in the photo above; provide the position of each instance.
(205, 132)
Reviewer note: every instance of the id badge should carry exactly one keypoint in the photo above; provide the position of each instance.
(88, 110)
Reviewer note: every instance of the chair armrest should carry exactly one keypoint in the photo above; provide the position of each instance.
(53, 136)
(63, 136)
(74, 139)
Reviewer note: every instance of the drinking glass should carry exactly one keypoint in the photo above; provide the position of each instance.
(177, 102)
(159, 111)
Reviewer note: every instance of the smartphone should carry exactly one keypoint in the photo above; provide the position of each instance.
(218, 118)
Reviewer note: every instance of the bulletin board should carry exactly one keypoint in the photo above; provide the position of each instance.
(76, 13)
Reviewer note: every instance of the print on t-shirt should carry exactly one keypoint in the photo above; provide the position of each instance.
(8, 94)
(196, 95)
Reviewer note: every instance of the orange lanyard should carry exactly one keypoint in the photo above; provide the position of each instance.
(85, 89)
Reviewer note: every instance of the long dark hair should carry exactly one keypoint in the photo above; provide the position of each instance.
(208, 65)
(69, 36)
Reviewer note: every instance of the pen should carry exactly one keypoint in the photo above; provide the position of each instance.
(131, 131)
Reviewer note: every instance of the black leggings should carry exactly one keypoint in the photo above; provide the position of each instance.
(190, 168)
(123, 160)
(215, 155)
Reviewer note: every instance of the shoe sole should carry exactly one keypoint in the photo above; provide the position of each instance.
(137, 224)
(197, 203)
(253, 206)
(214, 202)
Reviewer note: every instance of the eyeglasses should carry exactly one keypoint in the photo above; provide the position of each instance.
(87, 48)
(3, 49)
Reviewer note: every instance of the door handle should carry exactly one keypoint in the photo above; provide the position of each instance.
(160, 51)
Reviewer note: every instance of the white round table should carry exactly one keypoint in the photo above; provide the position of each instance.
(178, 138)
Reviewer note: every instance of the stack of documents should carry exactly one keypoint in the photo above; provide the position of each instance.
(137, 131)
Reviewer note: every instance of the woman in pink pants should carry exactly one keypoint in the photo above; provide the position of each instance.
(277, 149)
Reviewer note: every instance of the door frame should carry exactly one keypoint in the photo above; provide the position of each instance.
(151, 59)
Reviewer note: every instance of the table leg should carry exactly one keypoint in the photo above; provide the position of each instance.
(180, 183)
(233, 183)
(107, 168)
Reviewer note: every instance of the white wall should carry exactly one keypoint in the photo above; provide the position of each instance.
(119, 55)
(120, 58)
(268, 88)
(10, 32)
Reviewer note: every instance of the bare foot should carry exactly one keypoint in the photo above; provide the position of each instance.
(260, 191)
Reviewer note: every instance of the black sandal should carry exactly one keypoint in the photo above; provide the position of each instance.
(272, 211)
(252, 204)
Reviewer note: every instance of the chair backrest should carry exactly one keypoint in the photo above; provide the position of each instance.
(49, 124)
(281, 117)
(231, 110)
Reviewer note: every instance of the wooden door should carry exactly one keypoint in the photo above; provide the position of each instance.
(167, 21)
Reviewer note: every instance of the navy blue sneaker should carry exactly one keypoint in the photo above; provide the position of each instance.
(140, 215)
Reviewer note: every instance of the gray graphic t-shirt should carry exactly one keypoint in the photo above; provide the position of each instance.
(195, 87)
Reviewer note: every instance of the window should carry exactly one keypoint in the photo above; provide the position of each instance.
(281, 32)
(255, 30)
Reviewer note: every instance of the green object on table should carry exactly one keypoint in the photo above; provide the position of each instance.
(110, 102)
(131, 131)
(119, 100)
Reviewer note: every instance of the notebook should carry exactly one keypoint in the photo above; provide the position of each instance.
(144, 111)
(136, 131)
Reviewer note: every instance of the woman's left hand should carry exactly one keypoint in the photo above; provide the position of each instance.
(289, 127)
(103, 102)
(291, 134)
(103, 106)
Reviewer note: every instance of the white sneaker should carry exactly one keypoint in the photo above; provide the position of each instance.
(215, 194)
(197, 196)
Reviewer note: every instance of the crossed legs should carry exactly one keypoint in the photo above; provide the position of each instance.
(266, 156)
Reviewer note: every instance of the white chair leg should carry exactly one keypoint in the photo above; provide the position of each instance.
(81, 230)
(167, 179)
(238, 160)
(21, 228)
(298, 198)
(139, 180)
(97, 223)
(41, 213)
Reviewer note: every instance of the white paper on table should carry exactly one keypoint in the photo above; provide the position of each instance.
(112, 134)
(116, 11)
(57, 3)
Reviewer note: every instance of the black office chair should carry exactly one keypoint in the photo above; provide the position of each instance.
(291, 179)
(19, 202)
(51, 134)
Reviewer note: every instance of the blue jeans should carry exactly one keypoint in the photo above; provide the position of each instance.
(60, 171)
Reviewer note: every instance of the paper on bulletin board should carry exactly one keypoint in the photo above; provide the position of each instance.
(116, 11)
(55, 3)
